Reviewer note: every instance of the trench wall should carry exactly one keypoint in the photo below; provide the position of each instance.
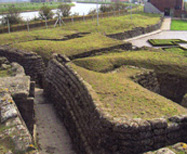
(170, 86)
(95, 130)
(136, 31)
(32, 63)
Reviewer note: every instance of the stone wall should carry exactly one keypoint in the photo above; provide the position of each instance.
(14, 125)
(148, 80)
(136, 31)
(170, 86)
(22, 91)
(94, 131)
(32, 63)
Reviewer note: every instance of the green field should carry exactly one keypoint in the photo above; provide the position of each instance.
(24, 7)
(118, 95)
(178, 25)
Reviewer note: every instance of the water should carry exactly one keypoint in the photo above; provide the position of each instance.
(80, 8)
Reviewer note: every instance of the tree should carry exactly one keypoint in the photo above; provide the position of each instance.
(64, 10)
(45, 13)
(13, 16)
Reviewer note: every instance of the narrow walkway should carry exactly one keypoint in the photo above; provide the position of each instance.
(53, 137)
(166, 23)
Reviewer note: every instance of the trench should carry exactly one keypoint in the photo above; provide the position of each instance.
(172, 87)
(52, 136)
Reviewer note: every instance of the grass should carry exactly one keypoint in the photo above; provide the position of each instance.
(177, 50)
(69, 48)
(26, 7)
(162, 62)
(119, 96)
(55, 33)
(178, 25)
(165, 42)
(107, 26)
(114, 25)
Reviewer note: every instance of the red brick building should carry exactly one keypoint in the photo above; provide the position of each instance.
(169, 6)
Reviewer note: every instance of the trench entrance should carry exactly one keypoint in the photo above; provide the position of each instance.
(52, 136)
(170, 86)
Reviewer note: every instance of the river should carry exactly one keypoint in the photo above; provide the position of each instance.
(80, 8)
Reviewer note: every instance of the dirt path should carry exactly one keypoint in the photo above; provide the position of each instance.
(53, 137)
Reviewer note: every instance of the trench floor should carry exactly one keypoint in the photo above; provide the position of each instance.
(52, 135)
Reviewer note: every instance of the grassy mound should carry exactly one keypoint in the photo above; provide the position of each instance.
(178, 25)
(119, 96)
(71, 47)
(162, 62)
(165, 42)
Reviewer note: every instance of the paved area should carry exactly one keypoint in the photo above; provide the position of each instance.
(166, 23)
(52, 136)
(142, 41)
(163, 33)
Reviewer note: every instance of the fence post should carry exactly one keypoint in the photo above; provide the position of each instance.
(8, 26)
(72, 20)
(83, 17)
(46, 26)
(28, 25)
(60, 21)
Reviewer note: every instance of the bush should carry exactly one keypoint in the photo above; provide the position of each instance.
(64, 10)
(45, 13)
(13, 16)
(112, 7)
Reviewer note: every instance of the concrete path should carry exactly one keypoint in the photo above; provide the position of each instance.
(53, 137)
(163, 33)
(140, 42)
(166, 23)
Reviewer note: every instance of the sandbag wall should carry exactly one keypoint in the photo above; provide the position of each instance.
(32, 63)
(94, 131)
(136, 31)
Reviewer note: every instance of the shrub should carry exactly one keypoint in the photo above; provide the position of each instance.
(64, 10)
(45, 13)
(112, 7)
(13, 16)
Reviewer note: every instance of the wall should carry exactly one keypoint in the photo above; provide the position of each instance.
(162, 4)
(149, 8)
(14, 129)
(136, 31)
(96, 131)
(170, 86)
(32, 63)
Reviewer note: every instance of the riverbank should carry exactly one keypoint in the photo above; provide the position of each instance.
(30, 7)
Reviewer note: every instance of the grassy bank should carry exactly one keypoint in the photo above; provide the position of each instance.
(114, 25)
(117, 94)
(173, 63)
(26, 7)
(178, 25)
(70, 47)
